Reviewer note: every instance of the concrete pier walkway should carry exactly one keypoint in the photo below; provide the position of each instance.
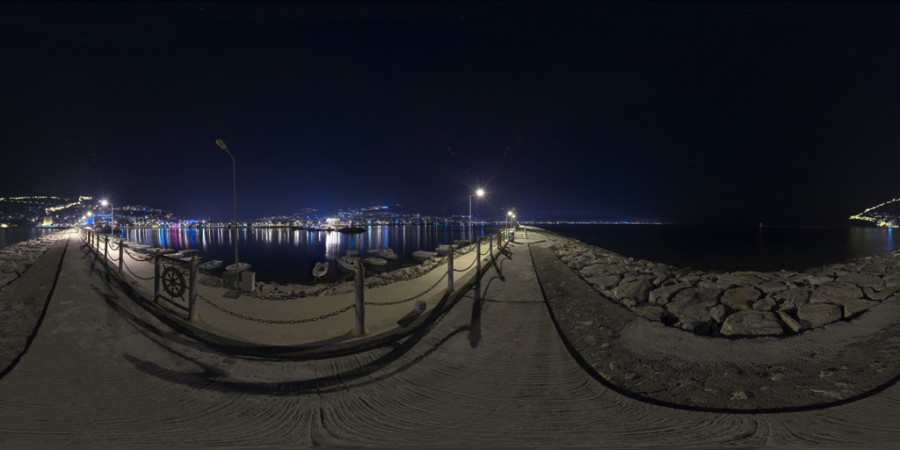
(103, 371)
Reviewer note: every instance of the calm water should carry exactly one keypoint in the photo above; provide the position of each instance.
(734, 248)
(10, 236)
(284, 255)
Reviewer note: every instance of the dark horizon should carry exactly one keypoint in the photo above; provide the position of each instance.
(682, 112)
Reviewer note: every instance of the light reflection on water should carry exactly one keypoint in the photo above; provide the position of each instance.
(287, 255)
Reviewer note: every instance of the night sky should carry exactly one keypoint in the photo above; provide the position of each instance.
(774, 112)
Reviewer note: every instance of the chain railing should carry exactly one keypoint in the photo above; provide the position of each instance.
(276, 322)
(414, 297)
(93, 242)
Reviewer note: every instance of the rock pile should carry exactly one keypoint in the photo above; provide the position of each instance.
(735, 304)
(17, 258)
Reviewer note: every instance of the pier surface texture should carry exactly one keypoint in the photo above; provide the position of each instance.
(503, 371)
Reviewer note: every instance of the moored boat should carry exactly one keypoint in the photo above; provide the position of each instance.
(423, 254)
(211, 265)
(348, 262)
(375, 261)
(387, 253)
(320, 269)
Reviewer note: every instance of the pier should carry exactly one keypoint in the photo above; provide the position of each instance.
(494, 361)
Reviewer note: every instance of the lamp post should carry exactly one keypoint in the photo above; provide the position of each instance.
(508, 215)
(222, 145)
(480, 193)
(112, 222)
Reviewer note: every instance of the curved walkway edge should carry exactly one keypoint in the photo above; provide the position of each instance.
(840, 363)
(23, 305)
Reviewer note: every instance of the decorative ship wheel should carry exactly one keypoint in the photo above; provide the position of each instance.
(173, 282)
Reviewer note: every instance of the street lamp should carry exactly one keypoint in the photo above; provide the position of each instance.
(480, 193)
(222, 145)
(111, 214)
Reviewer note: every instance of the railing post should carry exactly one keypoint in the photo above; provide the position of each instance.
(121, 260)
(491, 245)
(450, 270)
(478, 269)
(156, 296)
(359, 275)
(106, 252)
(192, 292)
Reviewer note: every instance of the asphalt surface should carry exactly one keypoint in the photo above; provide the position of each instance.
(103, 371)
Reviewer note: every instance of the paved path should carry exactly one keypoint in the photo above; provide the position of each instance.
(103, 371)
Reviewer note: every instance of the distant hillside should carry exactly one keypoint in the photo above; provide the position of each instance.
(886, 214)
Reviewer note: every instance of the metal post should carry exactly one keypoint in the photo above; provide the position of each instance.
(478, 269)
(121, 261)
(156, 276)
(450, 270)
(491, 245)
(359, 275)
(192, 292)
(106, 251)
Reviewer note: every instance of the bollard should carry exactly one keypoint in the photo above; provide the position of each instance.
(491, 245)
(156, 277)
(106, 252)
(450, 270)
(192, 292)
(359, 275)
(478, 269)
(121, 261)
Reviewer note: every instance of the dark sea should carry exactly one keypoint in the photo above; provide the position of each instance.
(285, 255)
(728, 248)
(10, 236)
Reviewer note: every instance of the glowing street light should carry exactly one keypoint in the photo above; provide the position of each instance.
(111, 214)
(222, 145)
(480, 193)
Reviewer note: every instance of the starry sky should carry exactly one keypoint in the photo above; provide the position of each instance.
(689, 112)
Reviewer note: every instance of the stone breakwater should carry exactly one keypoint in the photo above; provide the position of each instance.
(735, 304)
(17, 258)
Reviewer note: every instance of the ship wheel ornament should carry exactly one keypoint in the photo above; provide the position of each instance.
(173, 282)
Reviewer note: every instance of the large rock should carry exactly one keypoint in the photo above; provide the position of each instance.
(817, 314)
(789, 321)
(854, 307)
(605, 281)
(741, 278)
(835, 292)
(792, 298)
(740, 298)
(691, 308)
(892, 279)
(661, 296)
(651, 312)
(636, 290)
(771, 287)
(752, 323)
(863, 280)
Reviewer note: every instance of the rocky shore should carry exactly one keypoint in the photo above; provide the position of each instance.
(659, 333)
(736, 304)
(17, 258)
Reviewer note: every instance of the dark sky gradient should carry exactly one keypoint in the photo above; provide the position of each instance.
(785, 113)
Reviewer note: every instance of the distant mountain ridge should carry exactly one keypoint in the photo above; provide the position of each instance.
(885, 215)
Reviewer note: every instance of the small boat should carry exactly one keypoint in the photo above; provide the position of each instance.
(211, 265)
(387, 253)
(352, 230)
(375, 261)
(239, 268)
(461, 242)
(445, 248)
(320, 269)
(348, 262)
(423, 254)
(372, 251)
